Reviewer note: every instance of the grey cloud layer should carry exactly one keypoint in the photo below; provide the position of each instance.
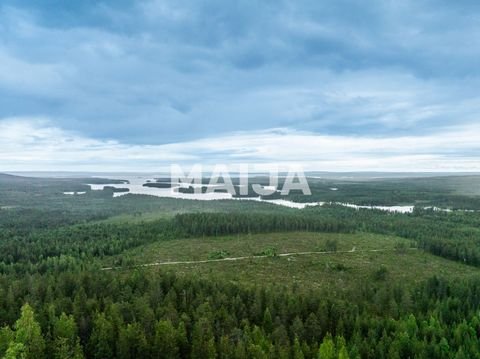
(155, 72)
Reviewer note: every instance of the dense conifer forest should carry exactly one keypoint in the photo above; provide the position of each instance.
(56, 301)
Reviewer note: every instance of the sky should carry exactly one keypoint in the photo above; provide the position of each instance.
(332, 85)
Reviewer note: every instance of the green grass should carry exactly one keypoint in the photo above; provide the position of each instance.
(334, 271)
(196, 249)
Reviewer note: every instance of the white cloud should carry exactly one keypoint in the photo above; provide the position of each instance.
(35, 144)
(185, 74)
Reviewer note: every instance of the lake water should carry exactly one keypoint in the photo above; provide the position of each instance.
(135, 186)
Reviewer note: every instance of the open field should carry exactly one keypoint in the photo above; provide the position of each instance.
(359, 258)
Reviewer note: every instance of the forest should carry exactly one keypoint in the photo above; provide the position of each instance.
(57, 302)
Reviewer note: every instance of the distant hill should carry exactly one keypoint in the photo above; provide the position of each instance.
(4, 177)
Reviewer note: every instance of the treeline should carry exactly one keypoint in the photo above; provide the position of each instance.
(214, 224)
(454, 235)
(36, 250)
(30, 241)
(155, 315)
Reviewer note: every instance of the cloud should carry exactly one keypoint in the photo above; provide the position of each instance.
(34, 144)
(161, 72)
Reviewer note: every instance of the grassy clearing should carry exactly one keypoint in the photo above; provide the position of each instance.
(197, 249)
(333, 271)
(330, 271)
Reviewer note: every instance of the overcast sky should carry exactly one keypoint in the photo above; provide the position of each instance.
(333, 85)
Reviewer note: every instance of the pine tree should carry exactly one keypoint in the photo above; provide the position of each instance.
(343, 353)
(6, 337)
(297, 328)
(102, 341)
(131, 342)
(29, 334)
(327, 348)
(312, 328)
(297, 350)
(15, 351)
(66, 343)
(203, 342)
(182, 339)
(165, 342)
(225, 348)
(460, 354)
(267, 321)
(342, 348)
(444, 348)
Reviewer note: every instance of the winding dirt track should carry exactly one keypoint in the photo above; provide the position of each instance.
(232, 259)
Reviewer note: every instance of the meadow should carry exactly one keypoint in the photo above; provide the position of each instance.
(306, 260)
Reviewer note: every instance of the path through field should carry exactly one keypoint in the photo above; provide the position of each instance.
(157, 264)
